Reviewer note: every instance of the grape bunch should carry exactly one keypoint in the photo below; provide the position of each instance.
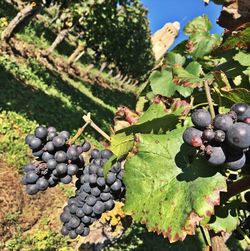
(56, 160)
(225, 140)
(94, 195)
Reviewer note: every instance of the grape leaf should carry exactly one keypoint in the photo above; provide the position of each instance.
(243, 58)
(195, 68)
(168, 187)
(225, 218)
(198, 25)
(121, 144)
(237, 95)
(155, 119)
(172, 58)
(162, 84)
(201, 44)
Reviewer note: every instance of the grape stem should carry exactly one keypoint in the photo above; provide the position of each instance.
(78, 134)
(244, 235)
(238, 186)
(88, 120)
(209, 99)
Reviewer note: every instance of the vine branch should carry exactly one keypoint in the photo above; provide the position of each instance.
(238, 186)
(209, 99)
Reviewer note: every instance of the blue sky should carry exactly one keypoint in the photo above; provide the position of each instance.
(163, 11)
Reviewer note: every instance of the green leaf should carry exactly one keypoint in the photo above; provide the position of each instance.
(243, 58)
(169, 188)
(184, 91)
(201, 44)
(198, 25)
(162, 84)
(225, 218)
(155, 119)
(194, 68)
(237, 95)
(172, 58)
(121, 144)
(108, 165)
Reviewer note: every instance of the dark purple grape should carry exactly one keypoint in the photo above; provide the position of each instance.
(85, 231)
(86, 187)
(217, 157)
(58, 141)
(190, 134)
(242, 111)
(64, 231)
(42, 183)
(28, 138)
(41, 132)
(66, 179)
(47, 156)
(31, 177)
(93, 168)
(106, 154)
(247, 197)
(49, 146)
(72, 153)
(32, 189)
(96, 154)
(105, 196)
(91, 200)
(24, 180)
(65, 217)
(79, 230)
(219, 136)
(65, 135)
(37, 153)
(238, 136)
(72, 234)
(100, 172)
(73, 207)
(101, 181)
(61, 168)
(92, 178)
(235, 161)
(51, 129)
(79, 212)
(99, 207)
(106, 189)
(116, 186)
(72, 169)
(201, 118)
(95, 191)
(51, 135)
(111, 177)
(35, 143)
(116, 168)
(79, 150)
(60, 156)
(109, 205)
(208, 135)
(223, 122)
(29, 167)
(51, 164)
(87, 209)
(86, 147)
(86, 219)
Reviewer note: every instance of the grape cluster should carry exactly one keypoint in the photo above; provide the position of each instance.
(56, 160)
(94, 195)
(225, 140)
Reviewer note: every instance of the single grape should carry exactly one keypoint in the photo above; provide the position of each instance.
(66, 179)
(223, 122)
(85, 231)
(217, 156)
(51, 164)
(28, 138)
(61, 168)
(41, 132)
(106, 189)
(80, 212)
(72, 169)
(109, 205)
(95, 191)
(35, 143)
(191, 133)
(65, 217)
(51, 135)
(93, 168)
(32, 189)
(65, 135)
(60, 156)
(87, 209)
(58, 141)
(111, 178)
(86, 219)
(219, 136)
(100, 172)
(47, 156)
(72, 153)
(91, 200)
(86, 187)
(37, 153)
(92, 178)
(86, 147)
(235, 161)
(84, 178)
(96, 154)
(201, 118)
(49, 146)
(208, 135)
(99, 207)
(100, 181)
(29, 167)
(116, 168)
(42, 183)
(64, 231)
(238, 135)
(79, 150)
(24, 180)
(72, 234)
(51, 129)
(116, 186)
(79, 230)
(73, 207)
(106, 154)
(31, 177)
(241, 110)
(105, 196)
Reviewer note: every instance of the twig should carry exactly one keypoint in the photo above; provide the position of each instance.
(238, 186)
(209, 99)
(244, 235)
(78, 134)
(88, 120)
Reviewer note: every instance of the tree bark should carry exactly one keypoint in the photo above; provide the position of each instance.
(60, 37)
(21, 19)
(76, 52)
